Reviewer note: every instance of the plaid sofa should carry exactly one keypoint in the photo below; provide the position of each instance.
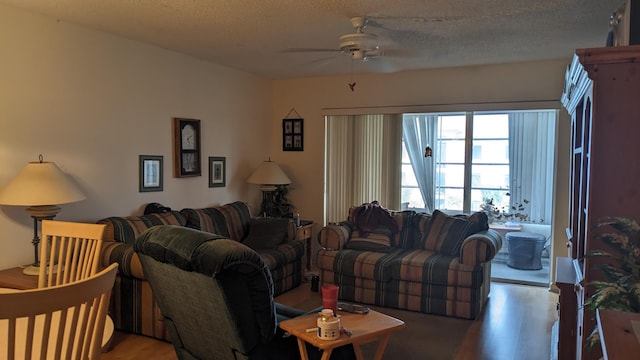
(133, 307)
(435, 263)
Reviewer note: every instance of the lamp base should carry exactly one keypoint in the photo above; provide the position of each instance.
(31, 270)
(35, 270)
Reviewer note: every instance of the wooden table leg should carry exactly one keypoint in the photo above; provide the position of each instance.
(326, 354)
(303, 349)
(358, 351)
(382, 345)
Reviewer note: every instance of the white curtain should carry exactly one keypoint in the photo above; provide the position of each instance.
(362, 162)
(531, 137)
(338, 161)
(419, 132)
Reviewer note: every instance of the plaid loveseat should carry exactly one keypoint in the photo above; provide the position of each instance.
(133, 307)
(433, 263)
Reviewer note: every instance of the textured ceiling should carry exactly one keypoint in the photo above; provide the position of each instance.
(259, 36)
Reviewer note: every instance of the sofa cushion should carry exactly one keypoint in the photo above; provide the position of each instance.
(428, 267)
(230, 220)
(126, 229)
(479, 217)
(446, 234)
(266, 233)
(377, 240)
(285, 254)
(402, 238)
(365, 264)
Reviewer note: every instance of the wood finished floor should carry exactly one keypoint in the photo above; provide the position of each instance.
(516, 324)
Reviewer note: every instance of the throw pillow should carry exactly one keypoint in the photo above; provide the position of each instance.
(378, 240)
(266, 233)
(479, 217)
(447, 233)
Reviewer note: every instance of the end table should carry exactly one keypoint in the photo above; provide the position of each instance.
(13, 278)
(304, 233)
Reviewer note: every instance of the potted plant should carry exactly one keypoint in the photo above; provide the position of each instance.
(281, 205)
(620, 287)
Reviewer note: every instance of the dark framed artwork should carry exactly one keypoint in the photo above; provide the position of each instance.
(217, 171)
(186, 147)
(292, 134)
(151, 173)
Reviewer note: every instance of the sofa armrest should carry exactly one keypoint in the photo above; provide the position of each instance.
(124, 255)
(334, 236)
(480, 247)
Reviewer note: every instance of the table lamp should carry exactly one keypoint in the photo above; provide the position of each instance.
(269, 176)
(41, 186)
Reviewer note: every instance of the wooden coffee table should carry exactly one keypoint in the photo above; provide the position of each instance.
(365, 328)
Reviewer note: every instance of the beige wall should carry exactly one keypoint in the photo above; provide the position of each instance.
(436, 90)
(93, 102)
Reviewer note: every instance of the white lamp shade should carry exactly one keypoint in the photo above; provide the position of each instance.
(40, 183)
(269, 173)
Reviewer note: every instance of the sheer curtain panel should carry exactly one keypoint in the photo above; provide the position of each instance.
(420, 132)
(531, 137)
(362, 162)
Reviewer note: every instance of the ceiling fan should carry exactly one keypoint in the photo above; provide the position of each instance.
(358, 45)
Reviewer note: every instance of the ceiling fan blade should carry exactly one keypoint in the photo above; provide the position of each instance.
(319, 63)
(299, 50)
(375, 21)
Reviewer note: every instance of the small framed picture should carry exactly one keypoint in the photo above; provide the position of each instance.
(150, 173)
(217, 171)
(292, 135)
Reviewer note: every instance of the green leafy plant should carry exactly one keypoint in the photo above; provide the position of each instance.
(620, 287)
(281, 205)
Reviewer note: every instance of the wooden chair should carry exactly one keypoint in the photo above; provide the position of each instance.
(69, 251)
(57, 322)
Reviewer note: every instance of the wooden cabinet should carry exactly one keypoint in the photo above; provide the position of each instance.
(602, 95)
(618, 334)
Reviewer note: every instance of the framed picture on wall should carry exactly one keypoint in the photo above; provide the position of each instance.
(292, 134)
(217, 171)
(186, 147)
(150, 173)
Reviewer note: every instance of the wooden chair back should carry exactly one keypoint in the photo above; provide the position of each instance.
(57, 322)
(70, 251)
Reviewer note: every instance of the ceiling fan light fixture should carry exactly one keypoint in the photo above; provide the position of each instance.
(358, 41)
(358, 55)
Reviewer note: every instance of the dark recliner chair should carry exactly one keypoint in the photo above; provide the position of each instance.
(216, 296)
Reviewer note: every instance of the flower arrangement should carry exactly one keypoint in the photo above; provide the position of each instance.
(517, 213)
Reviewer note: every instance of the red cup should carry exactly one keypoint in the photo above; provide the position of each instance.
(330, 297)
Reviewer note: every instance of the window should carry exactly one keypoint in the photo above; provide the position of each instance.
(490, 160)
(450, 162)
(504, 156)
(411, 196)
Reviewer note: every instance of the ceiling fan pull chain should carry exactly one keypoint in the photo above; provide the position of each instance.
(352, 84)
